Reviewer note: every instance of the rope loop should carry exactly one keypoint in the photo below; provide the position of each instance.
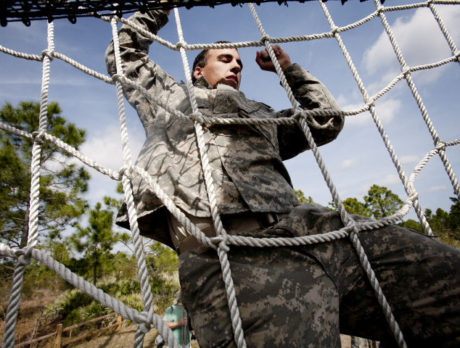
(198, 117)
(370, 102)
(181, 44)
(334, 30)
(413, 196)
(298, 114)
(216, 240)
(440, 145)
(380, 9)
(125, 171)
(223, 244)
(122, 172)
(144, 327)
(24, 256)
(47, 53)
(38, 137)
(117, 77)
(405, 71)
(265, 38)
(457, 55)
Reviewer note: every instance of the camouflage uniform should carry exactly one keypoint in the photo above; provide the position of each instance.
(293, 295)
(304, 296)
(246, 161)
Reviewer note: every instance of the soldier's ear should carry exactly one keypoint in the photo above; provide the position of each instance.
(198, 72)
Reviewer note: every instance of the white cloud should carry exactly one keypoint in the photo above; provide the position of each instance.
(437, 188)
(390, 179)
(420, 40)
(349, 163)
(348, 105)
(105, 147)
(359, 120)
(409, 159)
(387, 109)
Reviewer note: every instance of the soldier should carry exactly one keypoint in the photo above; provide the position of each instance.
(298, 296)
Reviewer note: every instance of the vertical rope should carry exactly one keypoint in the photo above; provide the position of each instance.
(347, 220)
(407, 74)
(211, 191)
(408, 188)
(444, 30)
(32, 229)
(132, 213)
(354, 236)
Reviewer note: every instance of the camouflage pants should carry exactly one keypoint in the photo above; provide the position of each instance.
(305, 296)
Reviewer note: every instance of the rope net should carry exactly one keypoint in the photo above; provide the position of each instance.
(28, 10)
(223, 242)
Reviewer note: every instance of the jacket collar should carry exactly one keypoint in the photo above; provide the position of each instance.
(201, 82)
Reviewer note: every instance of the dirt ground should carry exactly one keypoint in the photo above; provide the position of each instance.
(122, 338)
(30, 311)
(125, 338)
(32, 308)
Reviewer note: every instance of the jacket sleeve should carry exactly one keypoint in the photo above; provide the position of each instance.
(311, 94)
(134, 49)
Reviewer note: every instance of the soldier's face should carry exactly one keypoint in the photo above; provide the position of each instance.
(222, 66)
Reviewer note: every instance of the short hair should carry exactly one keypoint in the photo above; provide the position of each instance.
(200, 59)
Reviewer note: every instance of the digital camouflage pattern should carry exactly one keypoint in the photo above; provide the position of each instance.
(246, 161)
(305, 296)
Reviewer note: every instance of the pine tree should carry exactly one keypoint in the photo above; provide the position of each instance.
(61, 182)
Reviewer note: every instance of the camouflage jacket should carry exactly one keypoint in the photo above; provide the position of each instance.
(246, 161)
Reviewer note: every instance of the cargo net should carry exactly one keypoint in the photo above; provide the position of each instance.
(29, 10)
(223, 241)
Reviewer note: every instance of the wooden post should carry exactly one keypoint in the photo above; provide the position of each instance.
(119, 322)
(58, 340)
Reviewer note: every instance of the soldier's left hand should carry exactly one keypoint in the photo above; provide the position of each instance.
(265, 63)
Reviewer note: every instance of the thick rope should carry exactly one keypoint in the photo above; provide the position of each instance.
(146, 291)
(211, 191)
(418, 99)
(32, 229)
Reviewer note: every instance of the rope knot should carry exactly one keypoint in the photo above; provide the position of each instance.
(334, 30)
(24, 256)
(223, 244)
(144, 326)
(122, 172)
(413, 196)
(405, 71)
(198, 117)
(180, 45)
(38, 136)
(370, 102)
(265, 38)
(457, 55)
(117, 77)
(49, 54)
(440, 145)
(298, 114)
(380, 9)
(125, 171)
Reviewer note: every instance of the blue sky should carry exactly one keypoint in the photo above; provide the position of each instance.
(356, 160)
